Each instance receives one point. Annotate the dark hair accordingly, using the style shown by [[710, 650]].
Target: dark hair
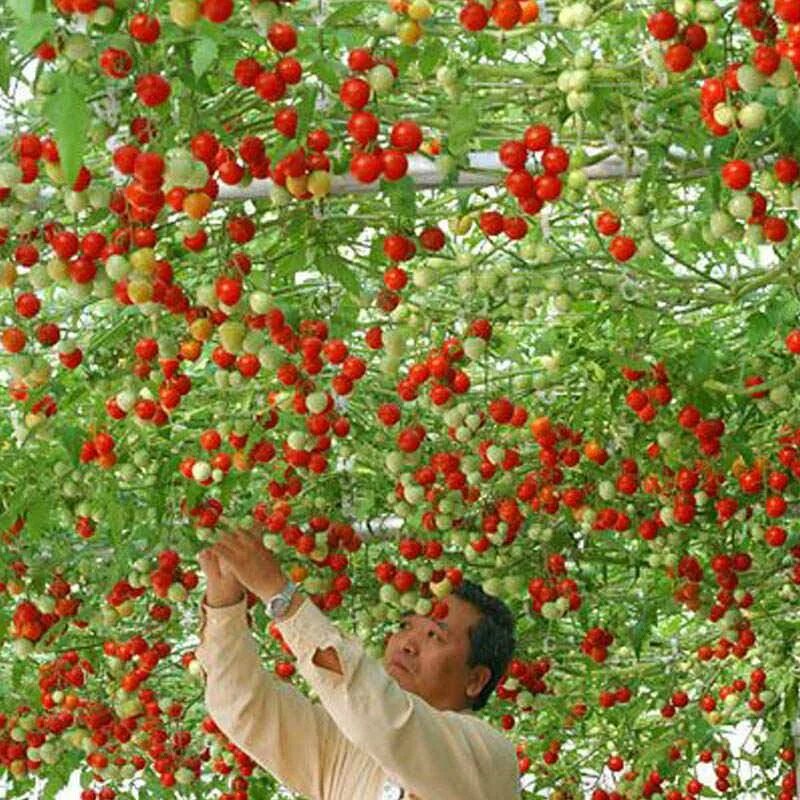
[[492, 640]]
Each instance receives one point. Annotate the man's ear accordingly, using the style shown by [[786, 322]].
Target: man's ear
[[479, 676]]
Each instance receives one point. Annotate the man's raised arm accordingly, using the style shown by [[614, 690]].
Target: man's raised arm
[[277, 726]]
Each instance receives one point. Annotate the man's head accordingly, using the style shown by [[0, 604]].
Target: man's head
[[457, 662]]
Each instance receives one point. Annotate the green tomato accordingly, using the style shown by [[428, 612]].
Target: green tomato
[[707, 11], [380, 78], [77, 47], [749, 78], [752, 116], [387, 22]]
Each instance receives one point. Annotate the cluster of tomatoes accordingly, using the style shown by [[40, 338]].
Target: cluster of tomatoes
[[737, 174], [100, 449], [168, 573], [29, 150], [645, 401], [65, 671], [506, 14], [28, 622], [122, 591], [762, 25], [399, 248], [609, 698], [528, 675], [31, 622], [531, 191], [621, 247], [555, 585], [596, 642], [174, 386], [686, 40]]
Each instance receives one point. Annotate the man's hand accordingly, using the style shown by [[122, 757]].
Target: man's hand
[[222, 588], [243, 555]]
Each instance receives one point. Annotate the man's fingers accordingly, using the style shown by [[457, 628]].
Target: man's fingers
[[227, 557], [208, 561]]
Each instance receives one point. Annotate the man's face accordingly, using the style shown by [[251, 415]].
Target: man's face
[[429, 657]]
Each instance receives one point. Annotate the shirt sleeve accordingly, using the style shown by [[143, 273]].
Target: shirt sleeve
[[432, 753], [275, 724]]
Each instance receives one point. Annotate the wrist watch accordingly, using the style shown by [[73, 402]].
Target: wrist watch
[[276, 606]]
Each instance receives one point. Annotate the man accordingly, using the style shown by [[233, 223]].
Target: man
[[406, 729]]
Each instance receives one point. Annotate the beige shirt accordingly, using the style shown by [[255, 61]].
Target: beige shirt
[[365, 730]]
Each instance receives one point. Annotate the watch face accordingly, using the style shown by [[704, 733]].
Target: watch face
[[278, 606]]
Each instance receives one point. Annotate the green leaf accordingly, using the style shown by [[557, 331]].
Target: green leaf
[[5, 67], [114, 519], [293, 261], [402, 197], [781, 308], [464, 121], [335, 266], [789, 125], [305, 111], [22, 9], [759, 328], [773, 743], [204, 54], [642, 628], [33, 31], [700, 360], [36, 516], [327, 71], [431, 56], [346, 12], [72, 437], [345, 318], [68, 114]]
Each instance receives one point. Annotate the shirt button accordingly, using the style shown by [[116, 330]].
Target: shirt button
[[391, 791]]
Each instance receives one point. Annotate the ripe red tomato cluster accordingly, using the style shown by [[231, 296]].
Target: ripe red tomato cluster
[[622, 248], [691, 39], [530, 191], [100, 449], [546, 590], [530, 674], [609, 698], [506, 14], [28, 622], [645, 401], [397, 248], [596, 643]]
